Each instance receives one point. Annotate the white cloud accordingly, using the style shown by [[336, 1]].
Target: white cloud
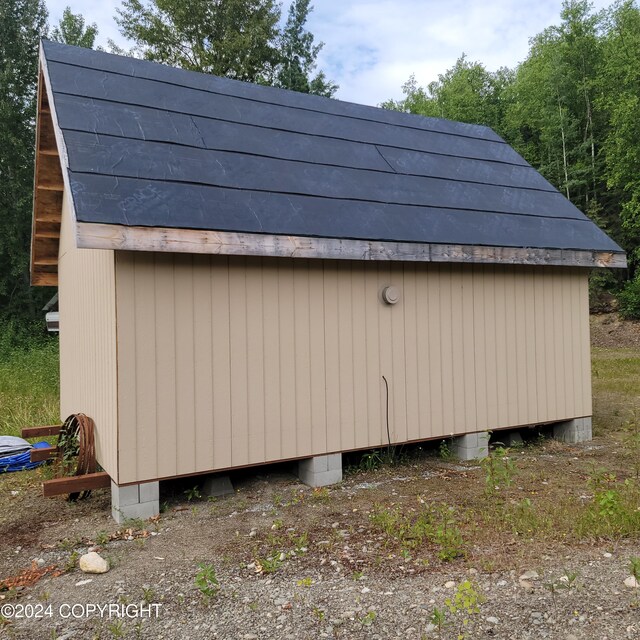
[[373, 46]]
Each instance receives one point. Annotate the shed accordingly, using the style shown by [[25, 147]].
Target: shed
[[249, 275]]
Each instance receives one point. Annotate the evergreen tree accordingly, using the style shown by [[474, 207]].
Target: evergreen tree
[[299, 54], [22, 23]]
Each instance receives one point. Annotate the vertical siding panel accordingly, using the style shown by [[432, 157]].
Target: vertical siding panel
[[478, 277], [165, 361], [145, 347], [550, 346], [521, 336], [272, 383], [317, 357], [410, 349], [221, 356], [399, 365], [567, 344], [288, 379], [387, 397], [541, 398], [127, 439], [255, 355], [304, 419], [332, 360], [501, 347], [359, 342], [469, 351], [512, 346], [583, 310], [559, 323], [185, 374], [446, 338], [423, 277], [459, 390], [576, 341], [530, 342], [239, 362], [203, 363], [375, 386], [435, 351], [345, 356], [491, 349]]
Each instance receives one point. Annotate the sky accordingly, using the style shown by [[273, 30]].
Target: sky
[[371, 47]]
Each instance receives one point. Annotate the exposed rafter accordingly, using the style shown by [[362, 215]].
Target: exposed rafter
[[47, 197]]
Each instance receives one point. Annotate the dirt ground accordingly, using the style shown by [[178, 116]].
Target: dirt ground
[[278, 560], [607, 330]]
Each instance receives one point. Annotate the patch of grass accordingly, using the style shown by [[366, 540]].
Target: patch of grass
[[270, 563], [431, 524], [29, 386], [616, 387]]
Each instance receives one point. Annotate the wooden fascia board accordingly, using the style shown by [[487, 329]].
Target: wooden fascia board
[[118, 237]]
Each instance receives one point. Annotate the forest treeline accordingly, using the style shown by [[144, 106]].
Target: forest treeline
[[572, 108], [243, 39]]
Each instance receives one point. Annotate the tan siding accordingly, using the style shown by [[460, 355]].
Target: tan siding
[[247, 360], [88, 339]]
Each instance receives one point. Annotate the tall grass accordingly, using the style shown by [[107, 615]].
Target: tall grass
[[29, 381]]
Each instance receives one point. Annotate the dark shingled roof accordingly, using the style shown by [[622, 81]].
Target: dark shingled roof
[[150, 145]]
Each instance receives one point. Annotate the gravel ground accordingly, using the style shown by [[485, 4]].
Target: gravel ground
[[297, 563], [343, 581]]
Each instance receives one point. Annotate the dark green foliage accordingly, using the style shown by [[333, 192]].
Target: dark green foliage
[[299, 55], [22, 22], [233, 38], [571, 109], [629, 299], [467, 93], [72, 30], [238, 39]]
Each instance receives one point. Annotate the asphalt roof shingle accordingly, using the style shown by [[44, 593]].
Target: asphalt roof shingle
[[150, 145]]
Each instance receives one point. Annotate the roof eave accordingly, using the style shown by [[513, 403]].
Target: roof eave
[[164, 239]]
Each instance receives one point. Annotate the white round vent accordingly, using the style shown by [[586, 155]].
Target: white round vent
[[391, 294]]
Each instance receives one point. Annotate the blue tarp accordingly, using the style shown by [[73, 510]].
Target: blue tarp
[[21, 461]]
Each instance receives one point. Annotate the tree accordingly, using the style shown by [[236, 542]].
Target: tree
[[71, 29], [22, 23], [233, 38], [551, 119], [299, 54], [467, 92], [619, 96]]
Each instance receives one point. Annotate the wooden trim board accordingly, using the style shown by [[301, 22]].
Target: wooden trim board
[[74, 484], [162, 239]]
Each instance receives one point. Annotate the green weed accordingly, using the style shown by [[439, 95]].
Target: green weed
[[206, 580], [498, 470]]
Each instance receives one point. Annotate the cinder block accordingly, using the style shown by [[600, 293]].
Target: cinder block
[[471, 446], [573, 431], [135, 501], [321, 471], [216, 486], [149, 491]]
